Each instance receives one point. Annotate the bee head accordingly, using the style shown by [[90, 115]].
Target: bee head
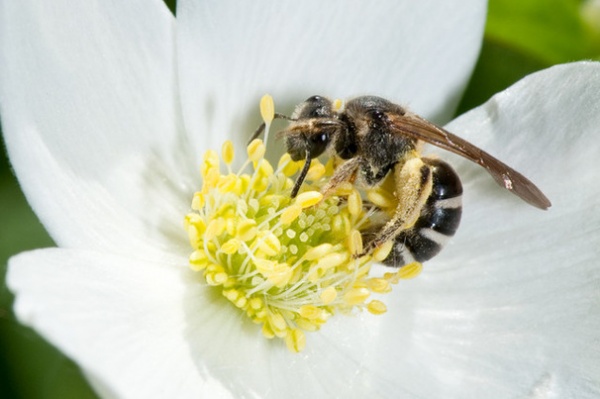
[[314, 124]]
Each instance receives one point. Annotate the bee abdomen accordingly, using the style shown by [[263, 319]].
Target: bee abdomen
[[439, 219]]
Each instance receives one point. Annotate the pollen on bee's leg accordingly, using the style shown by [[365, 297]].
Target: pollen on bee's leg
[[286, 263]]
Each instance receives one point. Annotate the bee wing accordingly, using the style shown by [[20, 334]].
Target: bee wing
[[418, 128]]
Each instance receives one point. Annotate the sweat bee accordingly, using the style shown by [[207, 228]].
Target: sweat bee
[[376, 138]]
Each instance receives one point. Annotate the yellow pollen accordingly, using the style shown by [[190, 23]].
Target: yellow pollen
[[256, 150], [356, 296], [308, 199], [231, 246], [345, 189], [197, 201], [288, 264], [328, 295], [310, 312], [332, 260], [316, 171], [267, 108], [355, 244], [337, 104], [376, 307], [382, 252], [267, 111], [246, 230], [355, 204], [269, 244], [295, 340], [287, 166], [411, 270], [381, 198], [379, 285], [227, 152], [318, 251], [290, 214]]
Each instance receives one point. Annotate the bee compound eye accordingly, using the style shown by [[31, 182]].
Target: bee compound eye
[[320, 138], [377, 119], [377, 115], [318, 143]]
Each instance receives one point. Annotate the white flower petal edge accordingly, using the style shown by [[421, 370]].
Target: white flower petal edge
[[88, 102], [511, 309], [230, 53], [124, 321]]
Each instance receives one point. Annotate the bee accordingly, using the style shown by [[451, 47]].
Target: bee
[[375, 138]]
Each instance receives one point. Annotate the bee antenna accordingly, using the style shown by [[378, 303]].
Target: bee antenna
[[257, 133], [302, 175], [261, 127]]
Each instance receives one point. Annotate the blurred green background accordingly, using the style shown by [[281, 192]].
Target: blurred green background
[[521, 37]]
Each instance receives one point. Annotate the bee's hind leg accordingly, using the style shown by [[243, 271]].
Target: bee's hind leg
[[414, 181]]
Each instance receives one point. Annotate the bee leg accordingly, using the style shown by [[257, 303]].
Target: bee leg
[[345, 172], [414, 182]]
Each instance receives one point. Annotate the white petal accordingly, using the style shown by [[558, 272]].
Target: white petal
[[124, 321], [142, 329], [512, 307], [231, 53], [88, 100]]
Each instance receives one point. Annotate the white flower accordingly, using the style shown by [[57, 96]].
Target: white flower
[[94, 98]]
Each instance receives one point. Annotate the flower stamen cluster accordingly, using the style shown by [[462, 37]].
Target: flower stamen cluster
[[288, 263]]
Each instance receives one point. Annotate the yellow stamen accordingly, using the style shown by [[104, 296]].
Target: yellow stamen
[[328, 295], [256, 150], [355, 204], [308, 199], [227, 152], [356, 296], [287, 264], [376, 307], [382, 252], [355, 244], [316, 171], [295, 340], [290, 214], [318, 251], [381, 198], [267, 108], [411, 270], [287, 166], [379, 285], [267, 111]]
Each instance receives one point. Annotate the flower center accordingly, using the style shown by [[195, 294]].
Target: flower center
[[288, 264]]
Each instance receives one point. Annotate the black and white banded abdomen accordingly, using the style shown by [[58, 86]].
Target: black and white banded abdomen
[[438, 221]]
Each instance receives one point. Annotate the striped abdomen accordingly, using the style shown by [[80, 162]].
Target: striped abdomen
[[438, 221]]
